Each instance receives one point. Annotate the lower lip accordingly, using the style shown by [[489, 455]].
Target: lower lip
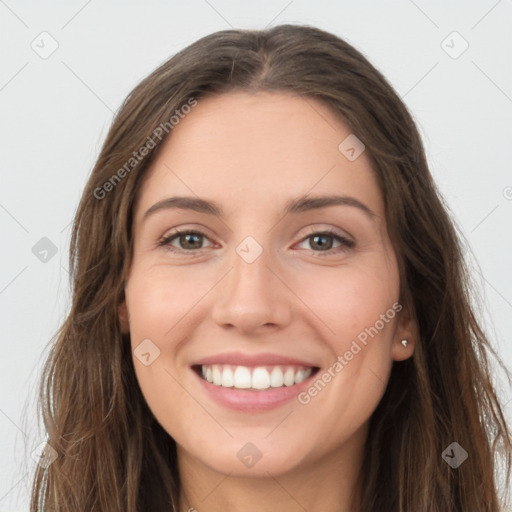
[[253, 401]]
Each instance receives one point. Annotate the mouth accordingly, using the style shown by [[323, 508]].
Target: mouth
[[253, 389], [252, 383], [254, 378]]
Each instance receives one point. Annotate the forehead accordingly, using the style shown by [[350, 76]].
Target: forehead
[[259, 150]]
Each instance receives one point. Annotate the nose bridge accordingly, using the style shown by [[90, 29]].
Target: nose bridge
[[250, 282], [251, 295]]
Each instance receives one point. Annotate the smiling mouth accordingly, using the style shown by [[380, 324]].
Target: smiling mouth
[[257, 378]]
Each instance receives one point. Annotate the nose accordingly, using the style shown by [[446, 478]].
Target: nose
[[251, 297]]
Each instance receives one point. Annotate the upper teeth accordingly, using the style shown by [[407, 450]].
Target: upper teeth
[[260, 377]]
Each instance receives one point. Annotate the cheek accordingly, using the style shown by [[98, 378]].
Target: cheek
[[358, 308], [161, 298], [160, 302], [351, 301], [165, 305]]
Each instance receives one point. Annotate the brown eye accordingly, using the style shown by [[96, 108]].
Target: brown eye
[[186, 240], [323, 242]]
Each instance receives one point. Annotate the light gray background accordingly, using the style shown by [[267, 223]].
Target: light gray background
[[55, 112]]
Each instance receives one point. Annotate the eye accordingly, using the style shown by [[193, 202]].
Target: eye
[[320, 242], [187, 240], [324, 241]]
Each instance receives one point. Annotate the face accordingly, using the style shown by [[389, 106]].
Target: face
[[288, 304]]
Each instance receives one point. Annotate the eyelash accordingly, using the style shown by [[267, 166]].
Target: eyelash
[[345, 242]]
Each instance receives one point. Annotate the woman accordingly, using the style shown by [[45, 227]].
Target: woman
[[270, 306]]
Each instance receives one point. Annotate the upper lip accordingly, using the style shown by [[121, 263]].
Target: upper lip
[[263, 359]]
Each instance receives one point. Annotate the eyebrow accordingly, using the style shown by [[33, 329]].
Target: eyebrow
[[298, 205]]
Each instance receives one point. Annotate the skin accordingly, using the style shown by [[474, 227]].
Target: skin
[[251, 153]]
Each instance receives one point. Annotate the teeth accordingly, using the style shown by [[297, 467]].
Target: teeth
[[259, 378], [242, 378], [276, 377], [217, 377], [299, 376], [289, 377], [228, 380]]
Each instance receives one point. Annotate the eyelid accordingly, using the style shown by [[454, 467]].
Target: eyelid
[[313, 230]]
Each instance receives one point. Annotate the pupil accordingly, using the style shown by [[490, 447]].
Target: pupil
[[188, 239], [317, 237]]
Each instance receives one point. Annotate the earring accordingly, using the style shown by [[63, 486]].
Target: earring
[[404, 343]]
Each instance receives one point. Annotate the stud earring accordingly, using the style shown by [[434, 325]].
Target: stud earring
[[404, 343]]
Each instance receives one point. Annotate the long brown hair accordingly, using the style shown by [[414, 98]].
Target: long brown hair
[[112, 453]]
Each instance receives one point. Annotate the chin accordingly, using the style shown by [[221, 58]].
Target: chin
[[255, 459]]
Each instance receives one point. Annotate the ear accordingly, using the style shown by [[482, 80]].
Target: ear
[[406, 330], [124, 317]]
